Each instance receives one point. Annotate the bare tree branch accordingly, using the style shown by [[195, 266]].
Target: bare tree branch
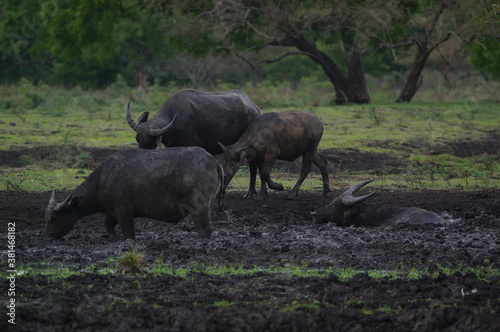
[[283, 56], [253, 66]]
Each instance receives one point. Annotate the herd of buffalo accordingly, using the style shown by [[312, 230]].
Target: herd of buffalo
[[207, 135]]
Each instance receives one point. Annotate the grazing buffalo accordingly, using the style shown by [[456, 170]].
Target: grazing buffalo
[[347, 210], [167, 184], [277, 135], [195, 118]]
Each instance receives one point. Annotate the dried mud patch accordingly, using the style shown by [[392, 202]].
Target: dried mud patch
[[339, 159], [265, 234]]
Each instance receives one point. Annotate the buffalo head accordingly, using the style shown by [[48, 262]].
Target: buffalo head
[[147, 137], [232, 157], [342, 207], [61, 217]]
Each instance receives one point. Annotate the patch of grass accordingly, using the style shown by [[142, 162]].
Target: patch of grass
[[130, 262], [234, 290], [419, 270], [345, 274], [376, 274], [224, 303], [74, 120], [302, 306], [133, 261], [15, 182], [36, 179], [54, 272], [387, 309]]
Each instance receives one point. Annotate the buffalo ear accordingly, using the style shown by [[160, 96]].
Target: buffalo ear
[[144, 117], [242, 153]]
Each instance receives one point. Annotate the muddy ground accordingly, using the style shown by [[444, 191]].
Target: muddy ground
[[266, 233]]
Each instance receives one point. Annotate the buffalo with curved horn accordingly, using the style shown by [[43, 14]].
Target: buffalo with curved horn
[[167, 185], [347, 209], [196, 118]]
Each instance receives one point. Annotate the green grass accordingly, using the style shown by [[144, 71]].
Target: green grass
[[72, 121], [130, 262], [133, 261], [394, 124], [255, 277]]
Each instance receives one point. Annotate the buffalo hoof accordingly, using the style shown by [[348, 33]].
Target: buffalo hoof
[[113, 237], [276, 186], [326, 191], [251, 194], [205, 234]]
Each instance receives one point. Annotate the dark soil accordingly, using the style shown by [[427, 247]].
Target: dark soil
[[265, 233]]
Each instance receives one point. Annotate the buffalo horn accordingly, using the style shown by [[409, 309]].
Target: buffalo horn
[[60, 206], [349, 199], [355, 188], [131, 121], [162, 131], [222, 146], [52, 197]]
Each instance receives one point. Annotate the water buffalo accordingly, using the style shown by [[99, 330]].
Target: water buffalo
[[195, 118], [167, 184], [347, 210], [277, 135]]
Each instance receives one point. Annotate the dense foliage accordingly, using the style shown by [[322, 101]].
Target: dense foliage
[[96, 43]]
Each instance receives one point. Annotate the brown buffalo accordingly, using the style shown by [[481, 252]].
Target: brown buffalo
[[277, 135]]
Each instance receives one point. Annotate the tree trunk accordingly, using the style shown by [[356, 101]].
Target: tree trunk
[[414, 80], [336, 77], [355, 72], [142, 78], [351, 89], [348, 90], [424, 50]]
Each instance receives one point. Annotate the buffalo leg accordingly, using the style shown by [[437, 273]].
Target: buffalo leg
[[322, 163], [126, 221], [307, 160], [110, 224], [265, 177], [201, 217], [203, 222], [253, 176]]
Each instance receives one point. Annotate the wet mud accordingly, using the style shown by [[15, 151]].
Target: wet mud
[[407, 277], [267, 233]]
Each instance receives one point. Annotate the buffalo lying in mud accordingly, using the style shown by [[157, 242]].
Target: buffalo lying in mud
[[277, 135], [166, 184], [195, 118], [347, 210]]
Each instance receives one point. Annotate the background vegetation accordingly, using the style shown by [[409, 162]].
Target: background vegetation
[[55, 133], [350, 48], [68, 67]]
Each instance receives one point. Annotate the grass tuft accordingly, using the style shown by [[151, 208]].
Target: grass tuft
[[131, 262]]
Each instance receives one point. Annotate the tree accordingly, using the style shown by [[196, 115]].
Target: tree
[[99, 31], [485, 55], [297, 27], [433, 24], [20, 40], [354, 28], [484, 52]]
